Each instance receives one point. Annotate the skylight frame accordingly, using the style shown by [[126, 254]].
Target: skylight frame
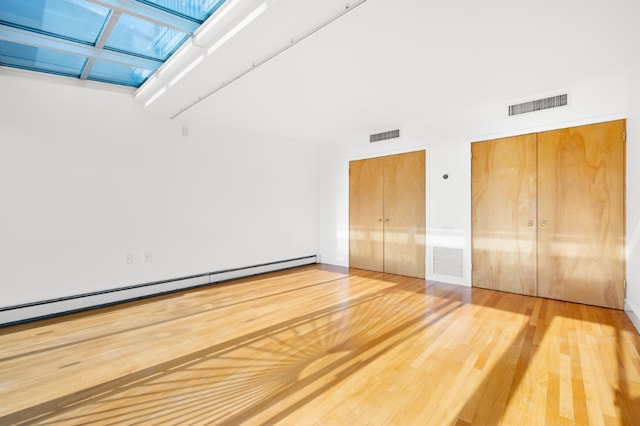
[[142, 62]]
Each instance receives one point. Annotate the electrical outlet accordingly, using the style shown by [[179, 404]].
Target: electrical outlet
[[148, 256], [128, 258]]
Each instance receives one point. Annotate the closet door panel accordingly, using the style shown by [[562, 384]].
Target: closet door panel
[[404, 214], [581, 214], [503, 188], [366, 225]]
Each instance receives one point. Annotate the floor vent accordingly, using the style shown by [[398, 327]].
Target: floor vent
[[538, 105], [391, 134], [447, 261]]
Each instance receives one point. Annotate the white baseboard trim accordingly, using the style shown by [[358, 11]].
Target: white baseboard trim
[[633, 314], [47, 308]]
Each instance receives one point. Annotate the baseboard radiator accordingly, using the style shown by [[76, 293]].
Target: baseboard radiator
[[47, 308]]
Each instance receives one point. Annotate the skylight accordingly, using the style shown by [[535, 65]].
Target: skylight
[[113, 41]]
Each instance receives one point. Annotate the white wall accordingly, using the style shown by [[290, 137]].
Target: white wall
[[633, 198], [87, 176], [447, 140]]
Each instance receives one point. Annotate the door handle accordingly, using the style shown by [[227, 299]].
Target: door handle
[[530, 223], [386, 220], [380, 220], [544, 223]]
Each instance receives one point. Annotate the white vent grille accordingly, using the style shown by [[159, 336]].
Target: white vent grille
[[391, 134], [538, 105], [447, 261]]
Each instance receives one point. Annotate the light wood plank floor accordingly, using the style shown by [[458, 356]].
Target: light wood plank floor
[[325, 345]]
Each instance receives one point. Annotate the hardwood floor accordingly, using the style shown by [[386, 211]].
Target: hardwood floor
[[325, 345]]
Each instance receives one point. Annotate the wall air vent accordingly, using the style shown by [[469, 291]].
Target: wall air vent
[[447, 261], [391, 134], [538, 105]]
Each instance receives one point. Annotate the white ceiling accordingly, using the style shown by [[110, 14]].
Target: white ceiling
[[387, 62]]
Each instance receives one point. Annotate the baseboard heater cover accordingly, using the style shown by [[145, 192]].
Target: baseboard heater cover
[[65, 305]]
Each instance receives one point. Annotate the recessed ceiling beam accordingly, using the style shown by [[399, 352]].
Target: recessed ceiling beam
[[16, 35], [151, 14]]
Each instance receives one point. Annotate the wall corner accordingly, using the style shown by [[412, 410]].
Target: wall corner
[[633, 313]]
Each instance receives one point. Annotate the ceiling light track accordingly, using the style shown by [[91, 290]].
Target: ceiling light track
[[257, 64]]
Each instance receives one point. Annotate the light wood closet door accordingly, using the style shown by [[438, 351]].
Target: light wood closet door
[[366, 227], [503, 188], [387, 214], [581, 214], [404, 214]]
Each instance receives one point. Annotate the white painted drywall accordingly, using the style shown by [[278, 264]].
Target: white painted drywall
[[447, 139], [87, 176], [633, 197]]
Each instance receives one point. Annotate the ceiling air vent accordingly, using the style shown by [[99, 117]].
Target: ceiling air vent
[[391, 134], [538, 105]]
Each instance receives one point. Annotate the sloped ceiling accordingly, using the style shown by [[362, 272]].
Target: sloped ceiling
[[388, 62]]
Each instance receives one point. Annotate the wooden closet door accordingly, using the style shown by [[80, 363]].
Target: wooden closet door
[[404, 214], [503, 188], [366, 227], [581, 214]]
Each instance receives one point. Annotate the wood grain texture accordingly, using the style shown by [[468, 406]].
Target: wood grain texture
[[366, 213], [404, 214], [325, 345], [576, 249], [503, 186], [387, 231], [581, 252]]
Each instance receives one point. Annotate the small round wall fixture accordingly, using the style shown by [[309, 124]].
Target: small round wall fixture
[[445, 176]]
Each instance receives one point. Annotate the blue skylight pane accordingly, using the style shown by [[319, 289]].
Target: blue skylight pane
[[119, 74], [133, 35], [196, 9], [37, 59], [71, 19]]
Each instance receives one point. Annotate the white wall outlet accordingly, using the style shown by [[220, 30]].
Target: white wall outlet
[[128, 258], [148, 256]]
